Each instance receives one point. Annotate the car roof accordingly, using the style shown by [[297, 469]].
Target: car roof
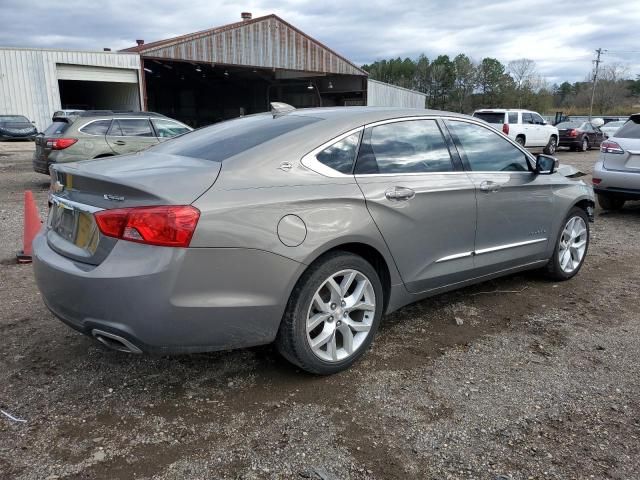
[[502, 110], [116, 113]]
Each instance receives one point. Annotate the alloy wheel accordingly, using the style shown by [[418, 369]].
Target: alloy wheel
[[573, 244], [585, 145], [341, 315], [552, 146]]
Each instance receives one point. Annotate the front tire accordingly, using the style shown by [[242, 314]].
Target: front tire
[[332, 315], [571, 246], [608, 202], [551, 147]]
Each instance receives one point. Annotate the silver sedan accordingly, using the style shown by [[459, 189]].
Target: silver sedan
[[302, 227]]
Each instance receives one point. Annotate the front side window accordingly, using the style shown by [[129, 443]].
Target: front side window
[[99, 127], [537, 119], [341, 155], [485, 150], [527, 118], [131, 128], [168, 128], [413, 146]]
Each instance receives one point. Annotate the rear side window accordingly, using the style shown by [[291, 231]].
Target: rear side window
[[56, 128], [226, 139], [485, 150], [131, 128], [414, 146], [341, 155], [168, 128], [631, 129], [513, 118], [492, 117], [99, 127]]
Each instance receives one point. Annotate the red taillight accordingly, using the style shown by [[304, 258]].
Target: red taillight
[[572, 133], [60, 143], [610, 147], [596, 181], [505, 128], [168, 226]]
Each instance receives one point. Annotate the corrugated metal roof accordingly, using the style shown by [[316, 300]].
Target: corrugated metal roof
[[267, 42]]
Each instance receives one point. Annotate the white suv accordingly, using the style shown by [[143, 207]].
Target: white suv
[[527, 128]]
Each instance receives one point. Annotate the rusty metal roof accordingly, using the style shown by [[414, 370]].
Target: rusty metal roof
[[265, 42]]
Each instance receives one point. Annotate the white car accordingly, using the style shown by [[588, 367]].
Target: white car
[[609, 129], [527, 128]]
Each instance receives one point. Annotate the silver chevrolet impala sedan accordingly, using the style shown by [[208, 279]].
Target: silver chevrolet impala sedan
[[299, 227]]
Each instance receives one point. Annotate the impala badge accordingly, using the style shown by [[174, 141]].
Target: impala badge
[[116, 198]]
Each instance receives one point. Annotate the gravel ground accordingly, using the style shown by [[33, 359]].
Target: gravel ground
[[540, 381]]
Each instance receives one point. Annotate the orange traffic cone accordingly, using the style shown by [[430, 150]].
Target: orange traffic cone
[[32, 225]]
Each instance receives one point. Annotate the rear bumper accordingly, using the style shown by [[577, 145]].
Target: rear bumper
[[570, 142], [623, 184], [626, 193], [40, 165], [166, 300]]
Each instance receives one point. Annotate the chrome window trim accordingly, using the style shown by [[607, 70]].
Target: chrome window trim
[[497, 248], [312, 163], [93, 121], [73, 205]]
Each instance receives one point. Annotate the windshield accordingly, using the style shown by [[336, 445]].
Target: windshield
[[13, 119], [490, 117], [226, 139], [565, 125]]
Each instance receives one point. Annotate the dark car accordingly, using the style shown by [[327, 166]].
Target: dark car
[[579, 135], [16, 127]]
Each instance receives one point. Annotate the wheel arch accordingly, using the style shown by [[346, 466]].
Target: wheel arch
[[104, 155]]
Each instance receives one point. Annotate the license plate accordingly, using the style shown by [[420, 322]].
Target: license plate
[[74, 225]]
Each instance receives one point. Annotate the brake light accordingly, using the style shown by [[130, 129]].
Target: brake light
[[60, 143], [168, 226], [596, 181], [610, 147], [572, 133], [505, 128]]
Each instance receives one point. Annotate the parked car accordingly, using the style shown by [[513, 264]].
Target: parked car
[[303, 227], [527, 128], [16, 127], [609, 129], [82, 135], [579, 135], [616, 174]]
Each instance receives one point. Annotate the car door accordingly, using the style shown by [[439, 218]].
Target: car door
[[421, 200], [513, 202], [598, 136], [128, 135], [541, 137], [528, 129]]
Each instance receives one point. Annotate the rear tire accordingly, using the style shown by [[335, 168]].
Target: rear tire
[[584, 146], [551, 147], [320, 307], [520, 140], [571, 247], [608, 202]]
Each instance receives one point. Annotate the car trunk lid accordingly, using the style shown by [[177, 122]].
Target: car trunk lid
[[628, 138], [78, 190]]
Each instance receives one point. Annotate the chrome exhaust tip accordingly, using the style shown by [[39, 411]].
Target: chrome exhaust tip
[[114, 342]]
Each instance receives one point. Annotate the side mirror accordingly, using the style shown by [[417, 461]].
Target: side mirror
[[546, 164]]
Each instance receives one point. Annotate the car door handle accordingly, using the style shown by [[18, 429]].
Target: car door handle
[[120, 142], [399, 193], [489, 186]]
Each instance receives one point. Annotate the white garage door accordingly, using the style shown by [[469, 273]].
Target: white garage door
[[96, 74]]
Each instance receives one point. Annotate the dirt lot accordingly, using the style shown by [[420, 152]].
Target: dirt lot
[[540, 381]]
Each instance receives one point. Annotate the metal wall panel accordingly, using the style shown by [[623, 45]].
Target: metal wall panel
[[29, 82], [96, 74], [268, 43], [381, 94]]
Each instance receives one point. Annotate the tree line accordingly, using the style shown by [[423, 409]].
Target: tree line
[[463, 85]]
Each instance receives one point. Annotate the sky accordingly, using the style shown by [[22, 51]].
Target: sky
[[560, 36]]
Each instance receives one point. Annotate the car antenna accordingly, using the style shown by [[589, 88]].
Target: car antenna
[[279, 108]]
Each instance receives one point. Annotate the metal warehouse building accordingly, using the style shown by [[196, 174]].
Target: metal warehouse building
[[199, 78]]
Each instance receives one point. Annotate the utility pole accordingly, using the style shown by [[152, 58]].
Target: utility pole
[[595, 79]]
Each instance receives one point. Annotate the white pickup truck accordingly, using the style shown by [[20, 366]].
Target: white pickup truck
[[527, 128]]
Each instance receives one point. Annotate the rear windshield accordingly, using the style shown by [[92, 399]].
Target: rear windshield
[[565, 125], [490, 117], [56, 128], [631, 129], [224, 140]]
